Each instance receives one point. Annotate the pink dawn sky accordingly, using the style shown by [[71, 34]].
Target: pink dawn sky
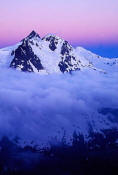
[[87, 23]]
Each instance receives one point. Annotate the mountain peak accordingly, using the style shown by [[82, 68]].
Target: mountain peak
[[33, 34], [49, 37]]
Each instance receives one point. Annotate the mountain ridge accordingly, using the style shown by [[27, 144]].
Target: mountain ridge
[[52, 54]]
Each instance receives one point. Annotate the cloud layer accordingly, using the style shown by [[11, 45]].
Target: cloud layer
[[39, 108]]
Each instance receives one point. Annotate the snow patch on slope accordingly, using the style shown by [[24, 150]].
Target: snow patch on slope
[[97, 61]]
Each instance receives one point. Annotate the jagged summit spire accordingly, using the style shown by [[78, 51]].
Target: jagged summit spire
[[33, 34]]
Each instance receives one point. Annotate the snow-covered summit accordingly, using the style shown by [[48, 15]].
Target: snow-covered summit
[[33, 35], [51, 54], [47, 55]]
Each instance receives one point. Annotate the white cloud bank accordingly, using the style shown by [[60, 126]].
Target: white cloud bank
[[35, 107]]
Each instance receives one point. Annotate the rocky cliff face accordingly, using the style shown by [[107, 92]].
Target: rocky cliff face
[[58, 54]]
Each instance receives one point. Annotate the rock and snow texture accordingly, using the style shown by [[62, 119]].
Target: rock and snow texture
[[51, 54], [97, 61], [47, 55]]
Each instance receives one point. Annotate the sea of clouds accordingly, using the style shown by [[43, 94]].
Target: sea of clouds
[[42, 108]]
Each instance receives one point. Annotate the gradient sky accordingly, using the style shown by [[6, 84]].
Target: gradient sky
[[92, 24]]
